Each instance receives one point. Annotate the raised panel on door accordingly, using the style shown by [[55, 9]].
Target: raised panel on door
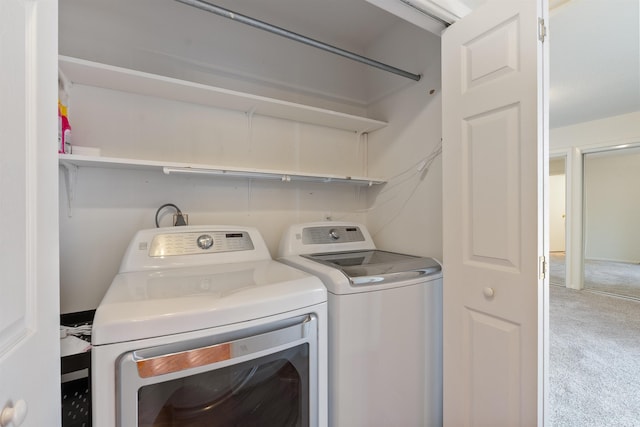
[[495, 376], [493, 210], [490, 188]]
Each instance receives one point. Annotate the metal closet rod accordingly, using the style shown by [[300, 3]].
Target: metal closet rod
[[200, 4]]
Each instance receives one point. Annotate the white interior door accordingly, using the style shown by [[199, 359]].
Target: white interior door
[[29, 319], [493, 208], [557, 202]]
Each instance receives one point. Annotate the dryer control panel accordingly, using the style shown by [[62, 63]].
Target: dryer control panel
[[192, 246], [174, 244]]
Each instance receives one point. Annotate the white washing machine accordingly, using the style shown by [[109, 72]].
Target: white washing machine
[[202, 327], [385, 325]]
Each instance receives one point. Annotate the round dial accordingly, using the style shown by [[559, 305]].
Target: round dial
[[334, 234], [205, 241]]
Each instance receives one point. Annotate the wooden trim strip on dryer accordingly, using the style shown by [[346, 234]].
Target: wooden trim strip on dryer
[[176, 362]]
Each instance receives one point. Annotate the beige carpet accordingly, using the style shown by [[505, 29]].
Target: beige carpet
[[600, 276], [594, 357]]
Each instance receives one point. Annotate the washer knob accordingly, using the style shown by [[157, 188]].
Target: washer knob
[[334, 234], [205, 241]]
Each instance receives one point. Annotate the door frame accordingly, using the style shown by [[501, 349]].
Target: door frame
[[574, 170], [574, 257]]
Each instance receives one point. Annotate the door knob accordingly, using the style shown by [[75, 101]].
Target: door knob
[[488, 292], [13, 414]]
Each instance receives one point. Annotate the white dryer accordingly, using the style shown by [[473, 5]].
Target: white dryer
[[202, 327], [385, 325]]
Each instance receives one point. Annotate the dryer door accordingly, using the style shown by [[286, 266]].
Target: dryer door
[[265, 379]]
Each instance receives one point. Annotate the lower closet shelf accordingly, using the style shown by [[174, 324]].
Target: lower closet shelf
[[72, 162]]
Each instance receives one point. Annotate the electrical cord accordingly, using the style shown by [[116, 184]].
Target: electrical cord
[[179, 216]]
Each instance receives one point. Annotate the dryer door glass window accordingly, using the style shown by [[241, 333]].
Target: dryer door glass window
[[270, 391]]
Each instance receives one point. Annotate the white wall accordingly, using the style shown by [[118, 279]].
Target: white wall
[[109, 205], [406, 215], [112, 204], [608, 131], [612, 205], [588, 137]]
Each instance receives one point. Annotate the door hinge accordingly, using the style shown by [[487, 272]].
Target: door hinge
[[542, 30], [542, 267]]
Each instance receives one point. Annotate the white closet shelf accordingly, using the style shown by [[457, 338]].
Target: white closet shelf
[[110, 77], [71, 161]]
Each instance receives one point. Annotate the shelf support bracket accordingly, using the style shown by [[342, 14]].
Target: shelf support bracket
[[70, 180]]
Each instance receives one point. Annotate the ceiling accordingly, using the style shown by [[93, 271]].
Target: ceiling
[[594, 60]]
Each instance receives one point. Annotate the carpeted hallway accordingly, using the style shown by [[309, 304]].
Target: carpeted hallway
[[594, 359], [620, 278]]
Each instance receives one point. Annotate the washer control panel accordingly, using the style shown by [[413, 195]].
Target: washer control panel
[[324, 236], [193, 243], [331, 234]]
